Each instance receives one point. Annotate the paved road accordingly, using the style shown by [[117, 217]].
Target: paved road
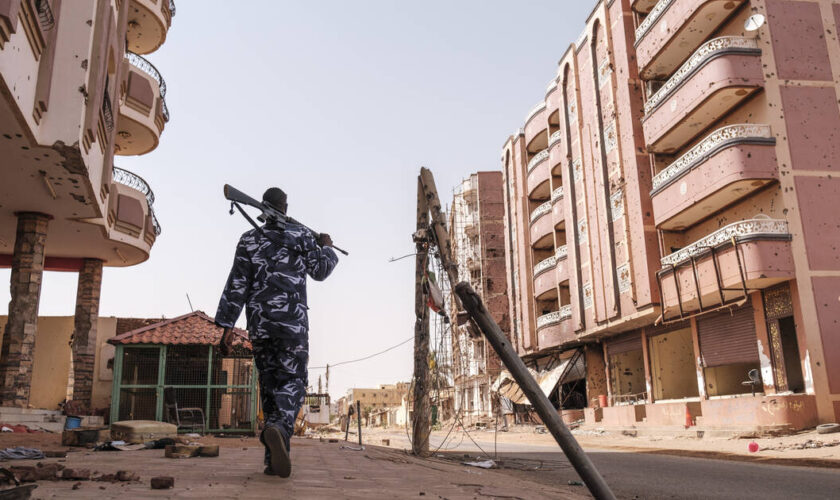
[[649, 475]]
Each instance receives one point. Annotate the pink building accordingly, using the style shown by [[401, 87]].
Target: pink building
[[669, 211], [74, 92]]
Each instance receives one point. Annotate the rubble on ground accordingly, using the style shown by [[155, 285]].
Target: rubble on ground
[[810, 444]]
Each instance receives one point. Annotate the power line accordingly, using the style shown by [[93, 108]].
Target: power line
[[365, 358]]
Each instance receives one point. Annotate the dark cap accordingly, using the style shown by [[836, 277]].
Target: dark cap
[[275, 197]]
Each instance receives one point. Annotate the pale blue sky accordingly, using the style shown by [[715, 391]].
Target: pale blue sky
[[339, 103]]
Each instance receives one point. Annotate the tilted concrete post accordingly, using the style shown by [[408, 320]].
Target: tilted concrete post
[[84, 330], [18, 350]]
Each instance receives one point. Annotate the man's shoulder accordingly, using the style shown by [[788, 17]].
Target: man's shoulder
[[249, 236], [297, 230]]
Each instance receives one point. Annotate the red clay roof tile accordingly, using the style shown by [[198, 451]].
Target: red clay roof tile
[[195, 328]]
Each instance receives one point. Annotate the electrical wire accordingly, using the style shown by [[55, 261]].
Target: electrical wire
[[365, 358]]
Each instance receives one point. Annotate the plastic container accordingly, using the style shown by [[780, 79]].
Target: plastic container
[[72, 423]]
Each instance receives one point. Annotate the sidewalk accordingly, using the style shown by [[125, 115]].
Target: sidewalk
[[801, 449], [320, 470]]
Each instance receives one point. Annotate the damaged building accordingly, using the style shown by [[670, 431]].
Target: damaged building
[[75, 91], [476, 222], [667, 209]]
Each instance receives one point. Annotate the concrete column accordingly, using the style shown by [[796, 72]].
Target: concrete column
[[84, 330], [596, 372], [18, 347], [698, 361], [646, 366]]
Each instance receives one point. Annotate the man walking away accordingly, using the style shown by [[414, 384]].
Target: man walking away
[[269, 277]]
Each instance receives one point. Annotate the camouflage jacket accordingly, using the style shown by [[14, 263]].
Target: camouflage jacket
[[269, 276]]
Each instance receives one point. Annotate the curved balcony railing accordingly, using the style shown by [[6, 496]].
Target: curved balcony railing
[[555, 138], [718, 139], [561, 252], [554, 317], [540, 211], [545, 265], [134, 181], [700, 56], [749, 227], [537, 159], [539, 107], [551, 86], [145, 66], [557, 194], [653, 16], [548, 319], [565, 312]]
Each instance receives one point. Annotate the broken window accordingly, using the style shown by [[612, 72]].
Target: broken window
[[672, 365]]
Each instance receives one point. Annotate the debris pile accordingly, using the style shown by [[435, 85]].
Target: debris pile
[[58, 472], [810, 444]]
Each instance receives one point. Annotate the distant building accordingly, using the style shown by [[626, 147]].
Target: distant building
[[382, 397], [75, 90], [476, 222]]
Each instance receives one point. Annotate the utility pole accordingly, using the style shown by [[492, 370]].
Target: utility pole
[[421, 417], [430, 233], [441, 232], [580, 461]]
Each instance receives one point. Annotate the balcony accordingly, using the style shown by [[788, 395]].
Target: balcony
[[538, 174], [561, 267], [544, 280], [148, 23], [720, 75], [143, 111], [554, 328], [558, 210], [724, 266], [556, 151], [542, 227], [726, 166], [536, 136], [131, 219], [673, 29]]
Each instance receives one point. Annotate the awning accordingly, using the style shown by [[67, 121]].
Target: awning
[[547, 379]]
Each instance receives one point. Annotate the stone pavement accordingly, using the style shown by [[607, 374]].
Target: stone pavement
[[320, 470]]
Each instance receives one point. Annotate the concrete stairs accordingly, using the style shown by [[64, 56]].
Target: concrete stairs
[[42, 420]]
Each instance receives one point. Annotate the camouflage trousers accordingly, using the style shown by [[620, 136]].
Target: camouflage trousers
[[282, 364]]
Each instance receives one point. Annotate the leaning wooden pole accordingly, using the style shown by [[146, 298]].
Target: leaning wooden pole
[[584, 467], [421, 416], [438, 226]]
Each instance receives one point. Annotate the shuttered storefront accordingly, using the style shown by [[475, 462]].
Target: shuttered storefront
[[624, 343], [728, 337]]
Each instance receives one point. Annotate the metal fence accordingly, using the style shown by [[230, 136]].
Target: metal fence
[[223, 387]]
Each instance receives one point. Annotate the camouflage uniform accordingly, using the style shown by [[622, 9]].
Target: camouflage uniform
[[269, 277]]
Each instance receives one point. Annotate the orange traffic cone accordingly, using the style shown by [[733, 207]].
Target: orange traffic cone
[[688, 422]]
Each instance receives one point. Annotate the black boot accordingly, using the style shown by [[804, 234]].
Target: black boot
[[281, 462]]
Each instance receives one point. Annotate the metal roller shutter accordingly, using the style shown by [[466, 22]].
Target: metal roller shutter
[[728, 338], [624, 343]]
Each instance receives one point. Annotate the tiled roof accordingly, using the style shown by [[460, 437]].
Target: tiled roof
[[195, 328]]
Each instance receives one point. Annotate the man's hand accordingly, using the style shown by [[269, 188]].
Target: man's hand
[[324, 240], [226, 344]]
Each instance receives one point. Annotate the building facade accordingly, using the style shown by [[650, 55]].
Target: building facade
[[75, 91], [384, 396], [667, 212], [476, 225]]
